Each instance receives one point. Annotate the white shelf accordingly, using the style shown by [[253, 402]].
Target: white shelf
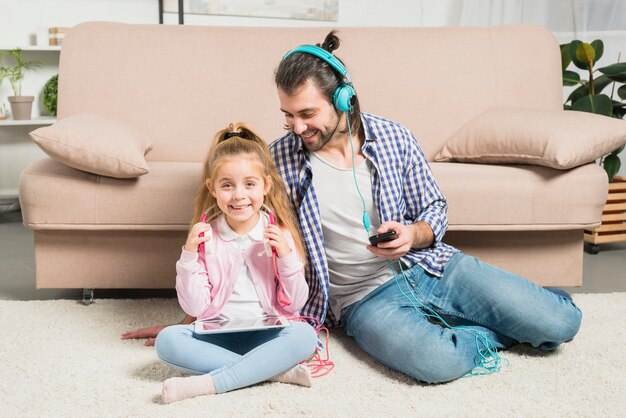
[[9, 193], [44, 120], [32, 48]]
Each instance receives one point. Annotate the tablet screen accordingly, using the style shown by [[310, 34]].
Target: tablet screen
[[218, 325]]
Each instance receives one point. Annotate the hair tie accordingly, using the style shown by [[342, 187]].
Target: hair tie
[[231, 134]]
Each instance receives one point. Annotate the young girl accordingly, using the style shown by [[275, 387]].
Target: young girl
[[233, 276]]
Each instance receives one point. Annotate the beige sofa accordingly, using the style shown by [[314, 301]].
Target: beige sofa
[[178, 85]]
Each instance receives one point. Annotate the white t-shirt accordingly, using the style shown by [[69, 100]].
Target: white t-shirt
[[354, 271]]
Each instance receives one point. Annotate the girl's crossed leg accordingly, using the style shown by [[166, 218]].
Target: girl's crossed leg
[[231, 361]]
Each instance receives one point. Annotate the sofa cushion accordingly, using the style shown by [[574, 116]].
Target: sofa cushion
[[521, 197], [54, 196], [552, 138], [96, 144], [517, 197]]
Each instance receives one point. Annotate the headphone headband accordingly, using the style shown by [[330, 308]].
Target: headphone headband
[[321, 53], [344, 95]]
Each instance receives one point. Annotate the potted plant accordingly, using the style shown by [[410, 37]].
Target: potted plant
[[3, 75], [21, 106], [50, 94], [589, 96]]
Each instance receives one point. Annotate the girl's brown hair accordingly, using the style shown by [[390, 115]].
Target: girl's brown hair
[[237, 140]]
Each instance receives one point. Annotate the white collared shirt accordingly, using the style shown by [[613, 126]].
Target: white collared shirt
[[244, 301]]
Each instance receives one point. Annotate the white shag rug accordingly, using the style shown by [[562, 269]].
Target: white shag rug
[[62, 359]]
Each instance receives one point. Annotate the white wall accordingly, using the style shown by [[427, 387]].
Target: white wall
[[19, 19]]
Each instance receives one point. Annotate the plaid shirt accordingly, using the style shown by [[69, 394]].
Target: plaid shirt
[[403, 189]]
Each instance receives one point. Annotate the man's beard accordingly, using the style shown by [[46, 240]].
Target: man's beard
[[324, 139]]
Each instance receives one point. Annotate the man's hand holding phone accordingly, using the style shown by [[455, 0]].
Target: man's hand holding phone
[[394, 245], [384, 237]]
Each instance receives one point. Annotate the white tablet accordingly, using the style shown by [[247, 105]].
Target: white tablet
[[221, 325]]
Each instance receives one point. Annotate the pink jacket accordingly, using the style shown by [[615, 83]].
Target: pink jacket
[[203, 289]]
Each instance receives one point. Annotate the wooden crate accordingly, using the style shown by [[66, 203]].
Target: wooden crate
[[613, 228]]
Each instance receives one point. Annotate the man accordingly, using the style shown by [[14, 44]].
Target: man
[[414, 303], [339, 163]]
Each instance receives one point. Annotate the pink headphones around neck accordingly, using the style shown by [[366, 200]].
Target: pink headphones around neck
[[270, 251]]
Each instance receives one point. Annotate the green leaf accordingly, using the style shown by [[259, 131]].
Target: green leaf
[[565, 58], [612, 165], [620, 149], [581, 91], [583, 56], [599, 84], [600, 105], [619, 112], [598, 47], [621, 92], [616, 72], [585, 53], [570, 78], [573, 47]]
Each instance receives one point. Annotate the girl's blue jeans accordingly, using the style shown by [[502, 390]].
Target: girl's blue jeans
[[507, 308], [236, 360]]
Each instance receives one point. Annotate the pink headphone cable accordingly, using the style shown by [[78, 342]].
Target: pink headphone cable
[[319, 366], [280, 295]]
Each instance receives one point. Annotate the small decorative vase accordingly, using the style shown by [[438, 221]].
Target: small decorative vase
[[21, 106]]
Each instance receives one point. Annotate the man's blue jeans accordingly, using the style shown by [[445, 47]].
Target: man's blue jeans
[[507, 308]]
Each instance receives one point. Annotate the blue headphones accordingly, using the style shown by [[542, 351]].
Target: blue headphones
[[344, 94]]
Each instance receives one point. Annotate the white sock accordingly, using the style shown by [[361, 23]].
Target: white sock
[[297, 375], [179, 388]]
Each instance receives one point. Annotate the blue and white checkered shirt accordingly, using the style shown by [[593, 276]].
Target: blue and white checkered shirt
[[403, 189]]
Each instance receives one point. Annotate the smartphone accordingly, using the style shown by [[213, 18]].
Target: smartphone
[[384, 237]]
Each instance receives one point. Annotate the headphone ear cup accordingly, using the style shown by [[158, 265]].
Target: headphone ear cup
[[342, 99]]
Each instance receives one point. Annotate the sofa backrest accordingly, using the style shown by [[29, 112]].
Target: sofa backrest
[[180, 84]]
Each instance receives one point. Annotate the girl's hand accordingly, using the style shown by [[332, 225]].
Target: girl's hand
[[150, 333], [194, 239], [277, 240]]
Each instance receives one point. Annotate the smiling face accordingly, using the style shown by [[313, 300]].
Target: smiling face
[[239, 187], [309, 115]]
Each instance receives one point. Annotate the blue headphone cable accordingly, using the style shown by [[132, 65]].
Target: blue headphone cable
[[366, 219], [487, 360]]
